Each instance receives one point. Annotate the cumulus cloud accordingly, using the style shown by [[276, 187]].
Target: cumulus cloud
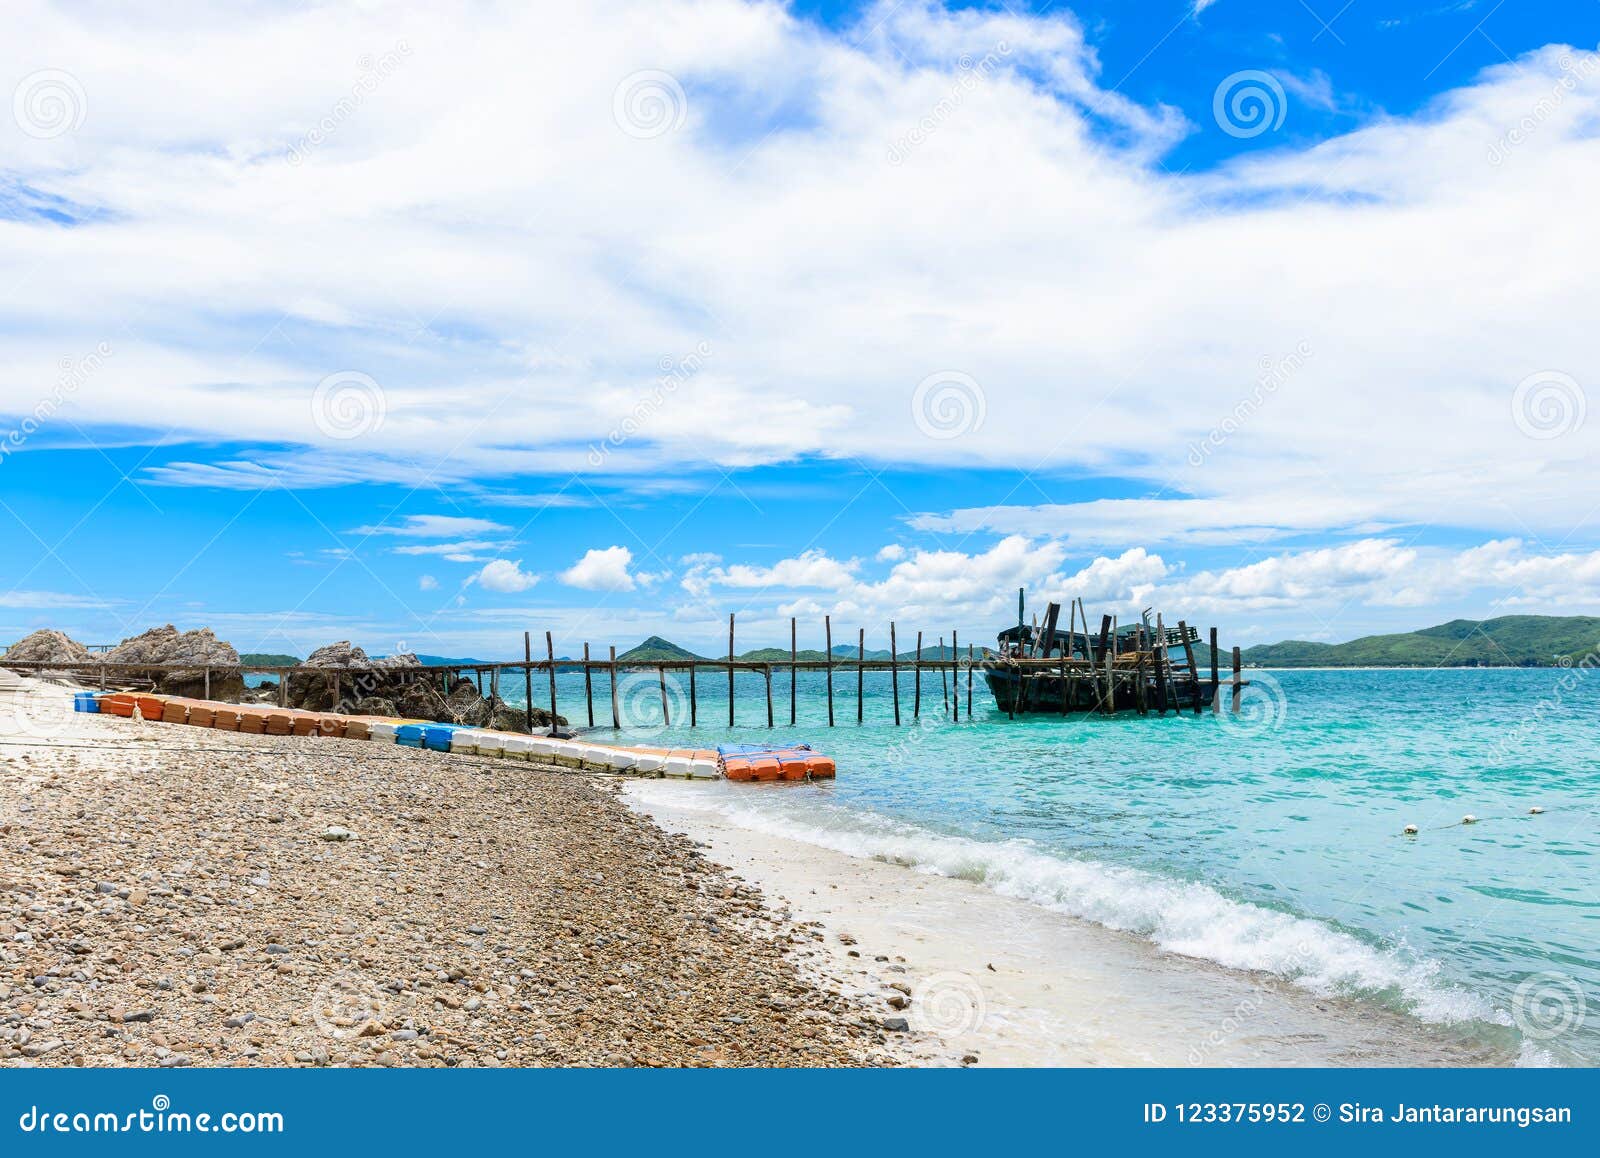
[[428, 583], [505, 576], [200, 227], [601, 569]]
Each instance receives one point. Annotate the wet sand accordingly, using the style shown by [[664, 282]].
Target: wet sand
[[1013, 984]]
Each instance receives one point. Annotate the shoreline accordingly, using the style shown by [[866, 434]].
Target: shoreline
[[1009, 983]]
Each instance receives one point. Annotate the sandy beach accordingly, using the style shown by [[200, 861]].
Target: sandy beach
[[1008, 983], [176, 896]]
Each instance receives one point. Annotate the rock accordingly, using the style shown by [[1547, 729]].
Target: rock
[[896, 1024], [145, 1015], [40, 1048], [194, 650], [334, 832], [969, 1059], [47, 646], [313, 691]]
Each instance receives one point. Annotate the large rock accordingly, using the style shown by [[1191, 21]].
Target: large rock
[[192, 651], [47, 646], [398, 685], [340, 690]]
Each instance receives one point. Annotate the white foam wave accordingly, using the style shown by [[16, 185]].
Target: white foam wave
[[1181, 917]]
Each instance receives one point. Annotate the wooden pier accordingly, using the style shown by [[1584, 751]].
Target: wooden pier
[[1102, 672]]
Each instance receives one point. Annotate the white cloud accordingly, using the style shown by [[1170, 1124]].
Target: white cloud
[[44, 600], [432, 527], [428, 583], [452, 550], [893, 553], [810, 569], [1120, 579], [601, 569], [201, 229], [505, 576]]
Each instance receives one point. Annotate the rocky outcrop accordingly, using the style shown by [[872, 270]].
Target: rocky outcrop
[[47, 646], [193, 651], [397, 685]]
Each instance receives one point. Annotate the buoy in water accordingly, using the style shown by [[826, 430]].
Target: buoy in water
[[1469, 819], [1535, 811], [1411, 830]]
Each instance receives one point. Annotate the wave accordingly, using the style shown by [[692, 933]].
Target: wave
[[1182, 917]]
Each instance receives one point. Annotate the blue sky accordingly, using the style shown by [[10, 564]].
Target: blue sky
[[1273, 316]]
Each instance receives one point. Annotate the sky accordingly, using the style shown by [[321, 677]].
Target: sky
[[428, 325]]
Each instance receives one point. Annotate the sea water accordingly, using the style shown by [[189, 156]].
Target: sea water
[[1270, 841]]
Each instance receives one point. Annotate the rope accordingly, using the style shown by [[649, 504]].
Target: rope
[[1470, 820]]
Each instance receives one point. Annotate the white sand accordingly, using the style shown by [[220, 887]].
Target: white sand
[[1019, 985]]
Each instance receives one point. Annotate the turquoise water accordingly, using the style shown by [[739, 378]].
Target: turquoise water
[[1270, 841]]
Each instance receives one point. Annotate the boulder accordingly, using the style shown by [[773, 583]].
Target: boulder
[[399, 686], [47, 646], [193, 651], [390, 677]]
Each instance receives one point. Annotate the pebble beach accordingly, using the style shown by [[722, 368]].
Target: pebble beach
[[172, 896]]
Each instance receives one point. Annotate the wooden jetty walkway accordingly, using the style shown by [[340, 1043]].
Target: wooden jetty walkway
[[1035, 672]]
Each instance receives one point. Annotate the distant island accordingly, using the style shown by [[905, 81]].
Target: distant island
[[1509, 641]]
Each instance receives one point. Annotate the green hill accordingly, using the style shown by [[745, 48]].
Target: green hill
[[656, 650], [267, 659], [1509, 641]]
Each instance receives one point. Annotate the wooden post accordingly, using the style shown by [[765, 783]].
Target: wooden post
[[694, 705], [730, 669], [1238, 689], [944, 683], [969, 681], [861, 670], [588, 684], [955, 675], [894, 674], [478, 672], [527, 677], [1102, 655], [661, 676], [1194, 672], [283, 688], [767, 672], [827, 641], [550, 650], [1215, 682], [616, 717], [794, 655], [916, 692], [208, 683]]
